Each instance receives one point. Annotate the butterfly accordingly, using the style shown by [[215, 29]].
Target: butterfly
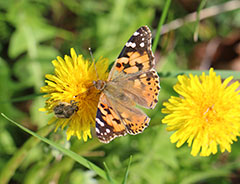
[[132, 80]]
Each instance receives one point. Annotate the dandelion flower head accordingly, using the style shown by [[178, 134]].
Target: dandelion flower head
[[205, 115], [73, 81]]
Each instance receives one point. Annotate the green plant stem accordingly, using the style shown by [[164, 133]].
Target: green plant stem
[[223, 73], [202, 4], [19, 156], [162, 19]]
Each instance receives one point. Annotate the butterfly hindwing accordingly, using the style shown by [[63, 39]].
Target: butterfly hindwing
[[108, 123], [133, 119]]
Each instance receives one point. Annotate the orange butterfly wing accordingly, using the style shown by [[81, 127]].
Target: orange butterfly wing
[[132, 80], [136, 56], [108, 123]]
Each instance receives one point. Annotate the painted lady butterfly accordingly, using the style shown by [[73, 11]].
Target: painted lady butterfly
[[132, 80]]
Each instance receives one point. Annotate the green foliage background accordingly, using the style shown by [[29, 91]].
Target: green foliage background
[[34, 32]]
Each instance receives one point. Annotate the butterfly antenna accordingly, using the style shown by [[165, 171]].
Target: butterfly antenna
[[90, 50]]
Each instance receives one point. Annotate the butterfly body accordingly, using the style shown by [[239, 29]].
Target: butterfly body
[[132, 80]]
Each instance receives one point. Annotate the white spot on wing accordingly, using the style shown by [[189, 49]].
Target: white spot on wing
[[100, 122], [97, 130], [107, 130], [130, 44], [136, 33], [142, 44], [133, 45]]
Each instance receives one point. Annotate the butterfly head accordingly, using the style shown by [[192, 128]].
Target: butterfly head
[[99, 84]]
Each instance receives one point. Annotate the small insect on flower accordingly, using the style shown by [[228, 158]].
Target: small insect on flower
[[206, 114], [65, 110]]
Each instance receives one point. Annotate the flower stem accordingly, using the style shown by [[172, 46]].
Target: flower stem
[[162, 19], [195, 35]]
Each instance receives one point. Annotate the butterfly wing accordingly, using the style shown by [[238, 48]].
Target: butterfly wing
[[133, 119], [133, 70], [142, 88], [108, 123], [132, 80], [115, 118], [136, 55]]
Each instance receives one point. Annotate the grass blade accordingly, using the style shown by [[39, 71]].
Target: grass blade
[[162, 19], [202, 4], [127, 171], [108, 174], [65, 151]]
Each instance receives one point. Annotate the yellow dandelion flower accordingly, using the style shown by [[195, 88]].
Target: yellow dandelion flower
[[205, 115], [71, 88]]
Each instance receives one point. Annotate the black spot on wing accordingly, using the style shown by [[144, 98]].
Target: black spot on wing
[[108, 111], [118, 65], [139, 65], [117, 121], [126, 65]]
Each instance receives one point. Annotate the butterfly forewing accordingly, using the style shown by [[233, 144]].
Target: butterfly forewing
[[143, 88], [136, 55]]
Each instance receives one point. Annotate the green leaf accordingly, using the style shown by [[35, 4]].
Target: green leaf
[[28, 36], [201, 176], [80, 176], [108, 173], [7, 144], [127, 171], [65, 151], [8, 87], [223, 73]]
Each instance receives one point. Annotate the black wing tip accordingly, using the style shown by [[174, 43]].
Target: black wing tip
[[147, 29], [150, 53], [108, 139]]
